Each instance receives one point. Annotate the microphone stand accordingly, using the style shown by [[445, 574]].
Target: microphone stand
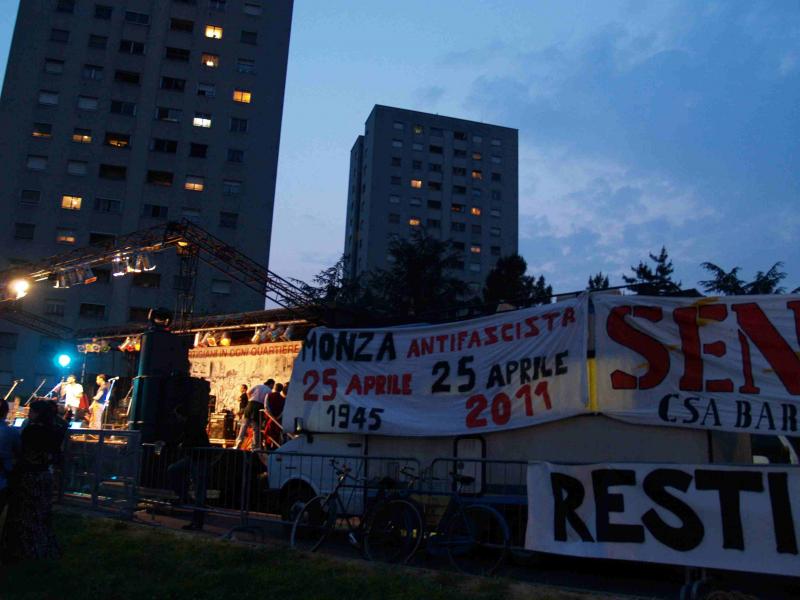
[[13, 387], [33, 395], [111, 382]]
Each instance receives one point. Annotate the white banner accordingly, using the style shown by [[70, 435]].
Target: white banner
[[730, 364], [504, 371], [738, 518]]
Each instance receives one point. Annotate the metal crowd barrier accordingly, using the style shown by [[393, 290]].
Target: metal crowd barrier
[[100, 469]]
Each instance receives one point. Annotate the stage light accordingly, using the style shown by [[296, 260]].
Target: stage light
[[87, 276], [119, 266], [73, 277], [64, 360], [276, 333], [132, 264], [144, 263], [198, 337], [19, 287], [287, 333], [256, 336], [62, 281], [225, 340], [211, 340]]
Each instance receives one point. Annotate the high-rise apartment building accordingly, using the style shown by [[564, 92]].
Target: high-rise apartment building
[[457, 179], [117, 115]]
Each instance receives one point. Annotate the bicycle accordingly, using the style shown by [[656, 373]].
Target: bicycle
[[397, 520]]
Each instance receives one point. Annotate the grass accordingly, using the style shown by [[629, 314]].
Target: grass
[[108, 560]]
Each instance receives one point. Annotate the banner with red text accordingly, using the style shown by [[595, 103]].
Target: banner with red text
[[738, 518], [728, 364], [505, 371]]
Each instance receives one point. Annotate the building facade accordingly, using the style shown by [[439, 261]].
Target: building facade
[[118, 115], [457, 179]]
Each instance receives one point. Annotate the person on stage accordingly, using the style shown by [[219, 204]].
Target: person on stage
[[257, 397], [69, 394], [99, 402]]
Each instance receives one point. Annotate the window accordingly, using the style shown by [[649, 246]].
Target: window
[[496, 177], [495, 250], [114, 172], [59, 35], [209, 60], [458, 245], [228, 220], [397, 161], [246, 65], [417, 147], [249, 37], [477, 192], [136, 18], [459, 135], [173, 83], [131, 47], [475, 267], [118, 140], [82, 136], [477, 156], [36, 163], [398, 125], [87, 103], [170, 115], [155, 211], [231, 187], [67, 6], [477, 174], [435, 149], [415, 202], [194, 183], [459, 190], [496, 160], [414, 221], [394, 199], [418, 130], [53, 66], [120, 107], [416, 183], [497, 195], [24, 231], [162, 145], [476, 229], [461, 171], [127, 77], [162, 178], [251, 8], [477, 139], [396, 180], [54, 307], [65, 236], [434, 168], [98, 41], [30, 197], [458, 227], [394, 218], [180, 54], [42, 130], [435, 204], [495, 212], [102, 239], [190, 213], [496, 142], [92, 311], [434, 223], [214, 32], [455, 207], [243, 96], [138, 314], [238, 125], [202, 120], [108, 205], [101, 11], [181, 25], [146, 280], [437, 131], [220, 286], [475, 248], [92, 72], [416, 165], [475, 211], [198, 150], [103, 275], [459, 153], [235, 156], [71, 202], [218, 5], [397, 143], [209, 90], [436, 186], [494, 231], [48, 98]]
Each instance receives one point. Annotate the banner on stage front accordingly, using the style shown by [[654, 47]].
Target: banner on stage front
[[737, 518], [727, 364], [504, 371]]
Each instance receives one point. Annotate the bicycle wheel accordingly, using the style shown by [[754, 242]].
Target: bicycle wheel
[[476, 539], [313, 524], [393, 531]]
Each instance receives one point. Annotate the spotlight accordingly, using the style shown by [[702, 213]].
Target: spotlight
[[64, 360], [211, 340], [62, 282], [119, 266], [144, 263], [256, 336], [132, 265], [74, 277], [198, 337], [225, 340], [287, 333], [276, 333], [19, 287], [89, 276]]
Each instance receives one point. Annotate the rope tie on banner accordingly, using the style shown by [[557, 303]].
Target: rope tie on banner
[[591, 377]]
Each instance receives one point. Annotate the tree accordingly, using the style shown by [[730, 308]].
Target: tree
[[728, 283], [421, 278], [598, 282], [507, 282], [649, 281]]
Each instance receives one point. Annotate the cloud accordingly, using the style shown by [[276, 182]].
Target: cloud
[[429, 96]]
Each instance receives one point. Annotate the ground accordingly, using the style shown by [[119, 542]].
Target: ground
[[115, 560]]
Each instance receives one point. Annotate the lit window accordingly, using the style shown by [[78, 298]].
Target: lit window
[[65, 236], [42, 130], [477, 174], [475, 249], [214, 32], [71, 202], [201, 120], [414, 222], [118, 140], [416, 183], [194, 183], [48, 98], [475, 211], [36, 163], [210, 60], [418, 129], [82, 136], [476, 156], [242, 96]]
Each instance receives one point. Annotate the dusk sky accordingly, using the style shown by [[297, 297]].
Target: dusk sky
[[641, 124]]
